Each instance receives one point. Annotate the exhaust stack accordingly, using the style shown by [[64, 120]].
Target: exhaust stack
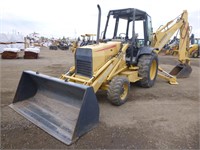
[[99, 23]]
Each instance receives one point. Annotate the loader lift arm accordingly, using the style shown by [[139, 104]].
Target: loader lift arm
[[162, 37]]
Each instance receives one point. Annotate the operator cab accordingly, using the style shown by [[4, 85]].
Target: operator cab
[[130, 25]]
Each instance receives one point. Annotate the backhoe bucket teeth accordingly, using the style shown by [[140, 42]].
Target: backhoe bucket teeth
[[65, 110], [181, 71]]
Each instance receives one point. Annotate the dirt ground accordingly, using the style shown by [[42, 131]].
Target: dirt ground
[[162, 117]]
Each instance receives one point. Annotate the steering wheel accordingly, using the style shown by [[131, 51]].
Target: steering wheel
[[122, 37]]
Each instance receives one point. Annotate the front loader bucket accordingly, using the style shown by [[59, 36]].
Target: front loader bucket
[[65, 110], [181, 71]]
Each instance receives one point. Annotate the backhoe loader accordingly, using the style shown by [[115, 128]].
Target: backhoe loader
[[67, 107], [194, 50], [171, 48], [87, 39]]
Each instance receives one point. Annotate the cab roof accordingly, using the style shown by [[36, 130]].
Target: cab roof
[[128, 13]]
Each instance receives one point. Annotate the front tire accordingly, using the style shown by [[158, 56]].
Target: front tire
[[148, 69], [195, 54], [118, 90]]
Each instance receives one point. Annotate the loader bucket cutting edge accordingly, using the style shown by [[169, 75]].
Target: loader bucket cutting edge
[[181, 71], [64, 110]]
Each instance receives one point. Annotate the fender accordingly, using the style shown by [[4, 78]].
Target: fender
[[144, 50]]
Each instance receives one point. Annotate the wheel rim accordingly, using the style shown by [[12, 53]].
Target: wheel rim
[[153, 69], [124, 91]]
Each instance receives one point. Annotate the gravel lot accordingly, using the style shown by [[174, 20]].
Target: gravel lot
[[162, 117]]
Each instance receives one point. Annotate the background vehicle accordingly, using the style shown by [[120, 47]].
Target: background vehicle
[[54, 45], [172, 47], [194, 49], [88, 39]]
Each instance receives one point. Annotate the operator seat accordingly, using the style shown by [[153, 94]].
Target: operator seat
[[135, 52]]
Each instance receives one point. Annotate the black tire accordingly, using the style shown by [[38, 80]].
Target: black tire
[[118, 90], [171, 52], [55, 48], [195, 54], [148, 74]]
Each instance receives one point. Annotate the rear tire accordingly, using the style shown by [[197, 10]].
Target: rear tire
[[148, 69], [118, 90]]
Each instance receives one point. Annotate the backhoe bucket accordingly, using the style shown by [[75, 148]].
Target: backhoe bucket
[[65, 110], [181, 71]]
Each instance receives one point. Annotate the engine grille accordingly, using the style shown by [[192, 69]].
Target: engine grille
[[84, 68], [84, 62]]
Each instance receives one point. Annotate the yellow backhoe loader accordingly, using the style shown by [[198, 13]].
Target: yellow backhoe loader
[[172, 47], [67, 107], [87, 39], [194, 50]]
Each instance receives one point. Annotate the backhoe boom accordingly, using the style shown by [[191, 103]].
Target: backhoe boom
[[164, 33], [162, 36]]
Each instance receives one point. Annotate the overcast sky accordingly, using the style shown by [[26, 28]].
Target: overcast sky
[[57, 18]]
